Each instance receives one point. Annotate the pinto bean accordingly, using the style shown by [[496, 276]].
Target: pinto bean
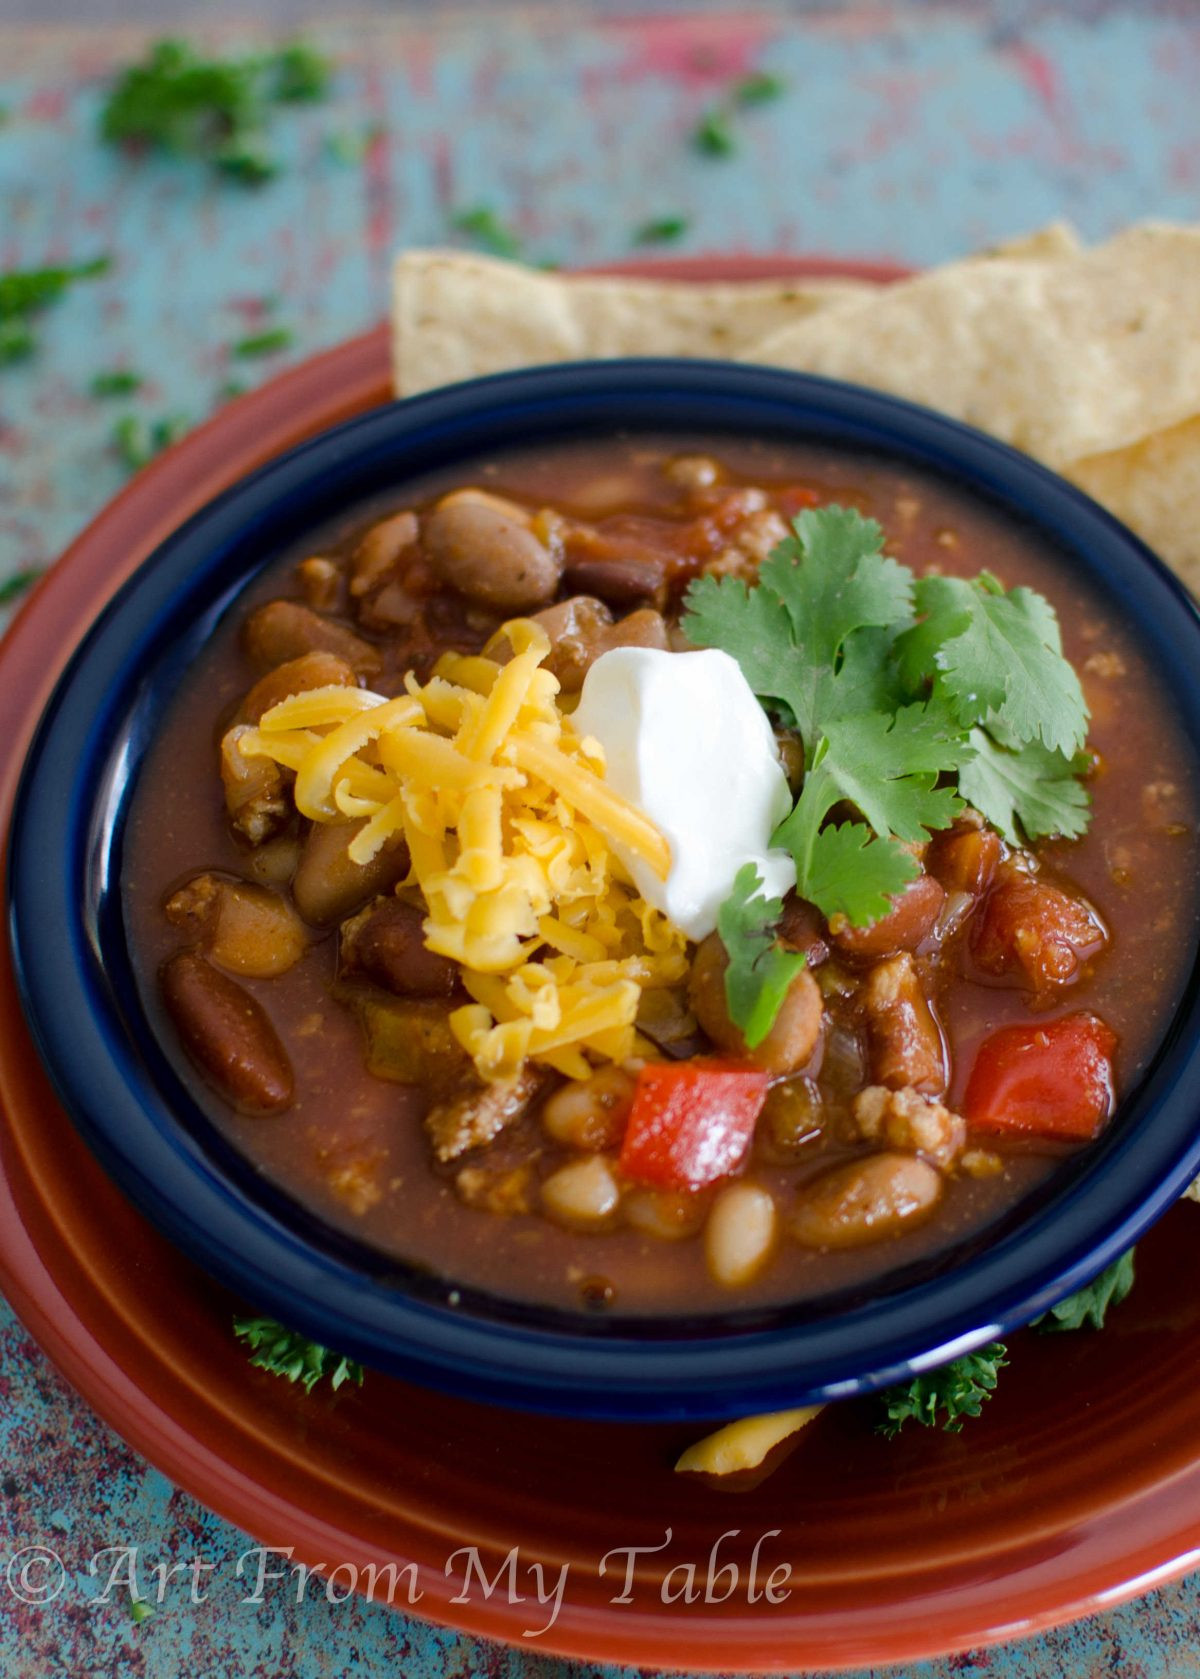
[[1036, 932], [802, 927], [866, 1201], [328, 886], [484, 547], [907, 1048], [256, 790], [581, 629], [246, 929], [283, 630], [227, 1033], [386, 942], [964, 859], [297, 676], [670, 1215], [321, 582], [906, 925], [792, 1039], [622, 579], [377, 554]]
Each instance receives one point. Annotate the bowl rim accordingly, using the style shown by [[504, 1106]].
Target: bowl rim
[[67, 820]]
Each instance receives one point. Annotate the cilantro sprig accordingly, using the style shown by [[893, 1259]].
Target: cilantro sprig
[[1089, 1306], [24, 292], [912, 696], [759, 971], [282, 1352]]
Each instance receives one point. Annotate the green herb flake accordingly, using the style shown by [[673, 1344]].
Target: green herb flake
[[231, 389], [216, 110], [713, 135], [140, 1610], [349, 147], [759, 971], [943, 1398], [662, 230], [119, 382], [23, 292], [266, 343], [282, 1352], [761, 88], [137, 441], [1089, 1306], [485, 227], [13, 587]]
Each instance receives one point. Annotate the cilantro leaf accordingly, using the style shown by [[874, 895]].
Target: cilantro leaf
[[759, 88], [266, 343], [759, 972], [23, 292], [283, 1352], [791, 634], [1025, 792], [713, 135], [661, 230], [850, 872], [887, 766], [943, 1397], [1089, 1305], [995, 653], [120, 381], [485, 227], [15, 585]]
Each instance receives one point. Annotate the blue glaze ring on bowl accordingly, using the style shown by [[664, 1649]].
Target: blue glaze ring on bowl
[[116, 1081]]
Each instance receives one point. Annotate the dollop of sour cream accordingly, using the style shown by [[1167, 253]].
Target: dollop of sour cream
[[686, 741]]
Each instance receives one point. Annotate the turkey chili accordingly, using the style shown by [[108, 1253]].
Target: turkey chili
[[655, 876]]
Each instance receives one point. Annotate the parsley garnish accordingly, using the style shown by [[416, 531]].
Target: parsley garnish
[[1089, 1305], [759, 972], [485, 227], [265, 343], [23, 292], [910, 695], [216, 110], [283, 1352], [120, 382], [942, 1398], [137, 441], [661, 230]]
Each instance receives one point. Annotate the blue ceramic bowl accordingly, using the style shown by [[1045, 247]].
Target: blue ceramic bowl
[[82, 1001]]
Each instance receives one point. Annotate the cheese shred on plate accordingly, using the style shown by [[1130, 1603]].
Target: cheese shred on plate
[[513, 836]]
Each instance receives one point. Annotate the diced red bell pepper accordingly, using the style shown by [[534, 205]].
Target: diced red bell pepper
[[1053, 1081], [691, 1122]]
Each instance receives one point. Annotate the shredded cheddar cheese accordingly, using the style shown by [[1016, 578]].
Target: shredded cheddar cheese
[[511, 830]]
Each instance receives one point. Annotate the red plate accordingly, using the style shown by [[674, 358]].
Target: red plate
[[1078, 1487]]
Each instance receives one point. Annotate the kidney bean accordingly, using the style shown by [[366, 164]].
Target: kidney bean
[[246, 928], [227, 1033], [328, 886], [283, 630], [386, 942], [866, 1201], [906, 925], [907, 1048], [297, 676], [802, 927], [792, 1039], [484, 547]]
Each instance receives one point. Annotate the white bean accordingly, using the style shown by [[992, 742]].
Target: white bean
[[668, 1214], [583, 1195], [590, 1113], [740, 1234]]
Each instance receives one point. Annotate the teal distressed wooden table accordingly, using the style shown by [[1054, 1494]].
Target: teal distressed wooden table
[[908, 134]]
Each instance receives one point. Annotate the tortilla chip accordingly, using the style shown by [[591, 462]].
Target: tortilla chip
[[457, 315], [1154, 486], [1044, 244], [1065, 359]]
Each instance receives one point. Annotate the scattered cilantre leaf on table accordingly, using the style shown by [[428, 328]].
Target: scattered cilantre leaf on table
[[23, 292], [1089, 1306], [137, 440], [759, 971], [760, 88], [282, 1352], [661, 230], [216, 110], [266, 343], [942, 1398], [119, 382], [14, 586], [484, 226]]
